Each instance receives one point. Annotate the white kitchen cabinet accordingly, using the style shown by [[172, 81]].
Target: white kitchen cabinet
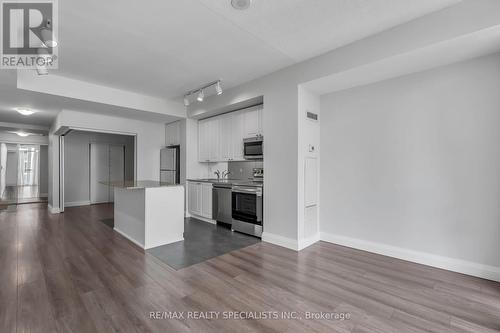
[[194, 198], [220, 138], [206, 200], [261, 121], [226, 137], [237, 136], [173, 133], [203, 141], [251, 123], [208, 140], [213, 137], [200, 199]]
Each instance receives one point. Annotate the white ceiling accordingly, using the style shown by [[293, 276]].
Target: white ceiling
[[48, 106], [165, 48]]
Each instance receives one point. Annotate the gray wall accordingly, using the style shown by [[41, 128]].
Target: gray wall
[[415, 162], [11, 173], [76, 158]]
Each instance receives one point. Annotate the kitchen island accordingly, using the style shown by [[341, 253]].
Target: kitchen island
[[148, 213]]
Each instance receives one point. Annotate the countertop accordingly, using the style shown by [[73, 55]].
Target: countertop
[[138, 184], [236, 182]]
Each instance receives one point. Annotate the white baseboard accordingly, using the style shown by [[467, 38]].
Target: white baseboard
[[306, 242], [173, 239], [451, 264], [77, 203], [203, 219], [289, 243], [129, 238], [54, 210]]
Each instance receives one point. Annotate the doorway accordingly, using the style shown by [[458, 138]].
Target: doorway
[[90, 158], [24, 173]]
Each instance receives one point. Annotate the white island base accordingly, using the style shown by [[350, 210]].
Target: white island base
[[149, 216]]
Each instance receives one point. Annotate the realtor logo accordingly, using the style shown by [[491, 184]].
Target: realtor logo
[[29, 35]]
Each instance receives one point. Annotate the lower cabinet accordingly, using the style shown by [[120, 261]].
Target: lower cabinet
[[200, 199]]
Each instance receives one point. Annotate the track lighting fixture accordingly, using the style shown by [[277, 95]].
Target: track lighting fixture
[[200, 92]]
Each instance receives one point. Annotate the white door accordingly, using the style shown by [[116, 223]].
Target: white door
[[99, 171], [116, 166]]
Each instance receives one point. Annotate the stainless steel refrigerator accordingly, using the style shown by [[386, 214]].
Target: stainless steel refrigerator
[[170, 165]]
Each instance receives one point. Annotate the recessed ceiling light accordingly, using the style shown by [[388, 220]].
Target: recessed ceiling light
[[25, 111], [241, 4], [21, 133]]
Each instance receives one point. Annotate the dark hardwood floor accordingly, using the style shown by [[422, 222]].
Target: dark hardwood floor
[[71, 273]]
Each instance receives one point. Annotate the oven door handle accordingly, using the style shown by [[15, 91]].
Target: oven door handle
[[257, 193]]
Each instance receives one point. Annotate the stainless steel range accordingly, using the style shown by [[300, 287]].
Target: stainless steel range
[[247, 208]]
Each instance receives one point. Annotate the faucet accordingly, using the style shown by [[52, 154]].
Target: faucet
[[217, 173], [225, 174]]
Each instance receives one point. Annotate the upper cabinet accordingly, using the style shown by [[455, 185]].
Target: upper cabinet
[[252, 123], [173, 134], [208, 140], [220, 138]]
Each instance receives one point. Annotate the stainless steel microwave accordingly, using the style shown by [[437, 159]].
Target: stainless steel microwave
[[253, 148]]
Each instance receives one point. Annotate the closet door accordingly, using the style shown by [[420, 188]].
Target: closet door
[[116, 166], [99, 171]]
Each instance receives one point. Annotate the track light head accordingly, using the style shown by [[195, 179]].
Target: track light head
[[186, 100], [218, 88], [201, 96]]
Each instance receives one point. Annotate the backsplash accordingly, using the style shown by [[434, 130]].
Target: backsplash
[[243, 170]]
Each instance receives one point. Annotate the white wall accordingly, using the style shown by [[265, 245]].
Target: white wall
[[414, 163], [308, 149], [76, 159], [282, 218], [150, 138]]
